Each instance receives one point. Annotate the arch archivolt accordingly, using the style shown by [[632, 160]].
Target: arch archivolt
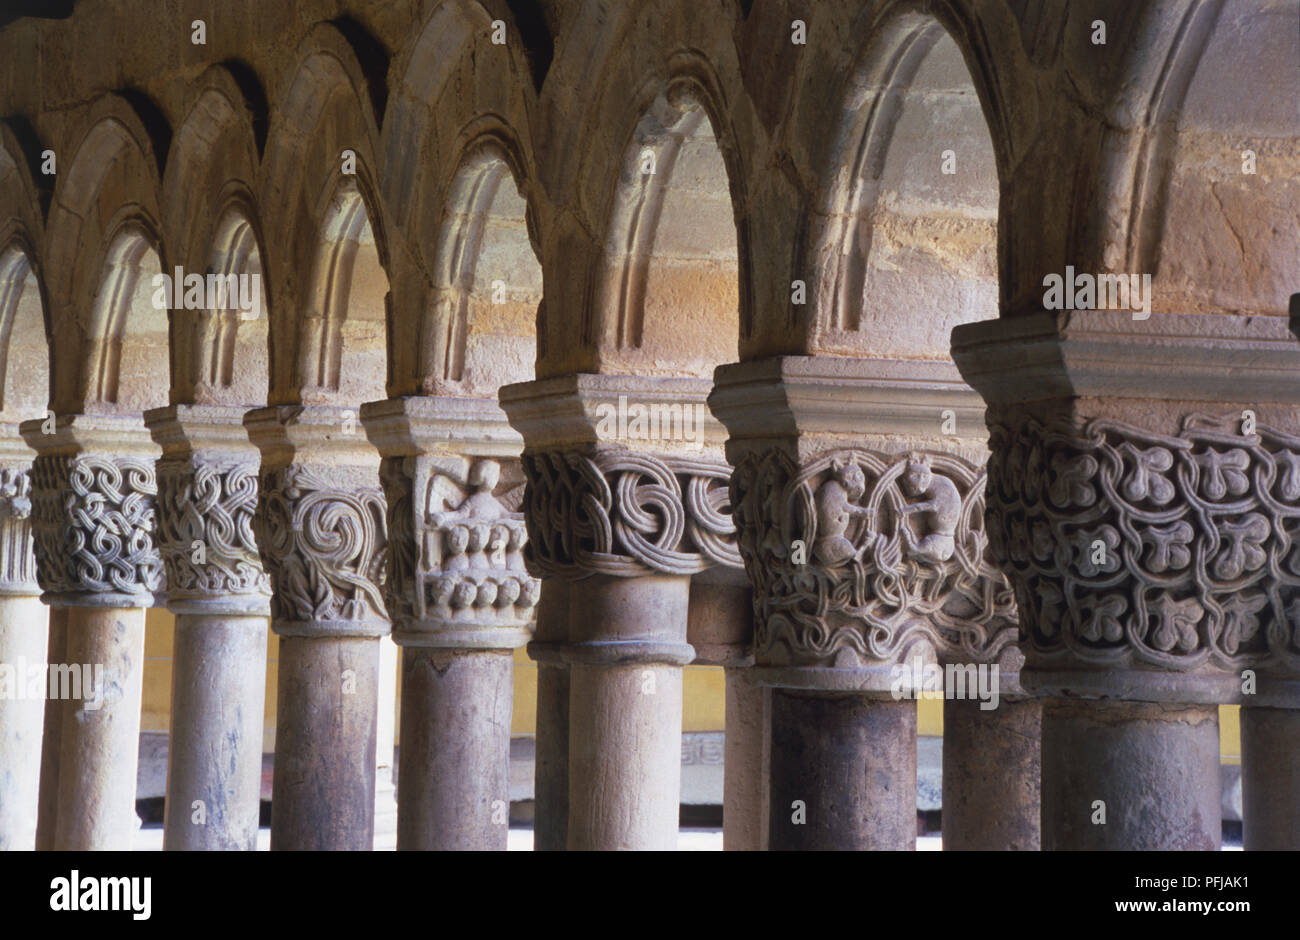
[[645, 72], [459, 123], [1198, 186], [210, 216], [803, 133], [106, 205], [24, 346], [487, 282], [306, 180], [902, 238], [127, 328], [24, 351]]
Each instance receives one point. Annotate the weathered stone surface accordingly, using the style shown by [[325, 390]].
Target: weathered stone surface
[[447, 202]]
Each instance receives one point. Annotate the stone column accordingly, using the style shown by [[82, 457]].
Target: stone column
[[627, 516], [747, 763], [24, 637], [627, 647], [991, 767], [1270, 782], [843, 772], [1270, 745], [721, 629], [386, 741], [93, 527], [48, 809], [551, 760], [1144, 500], [858, 487], [461, 601], [321, 530], [207, 498]]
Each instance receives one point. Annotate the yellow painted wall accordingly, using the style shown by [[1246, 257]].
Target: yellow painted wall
[[703, 698]]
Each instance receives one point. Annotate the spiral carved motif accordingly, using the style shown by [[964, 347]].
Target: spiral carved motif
[[626, 515], [864, 555], [93, 524], [1129, 547], [324, 547], [205, 528]]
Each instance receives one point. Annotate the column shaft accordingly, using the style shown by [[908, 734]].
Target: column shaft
[[625, 718], [551, 760], [843, 772], [625, 757], [991, 775], [1153, 770], [215, 752], [386, 740], [23, 642], [745, 774], [321, 533], [99, 746], [454, 776], [1270, 778], [52, 734], [323, 791]]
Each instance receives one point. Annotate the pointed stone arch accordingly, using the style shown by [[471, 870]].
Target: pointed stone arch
[[210, 217], [1197, 87], [24, 350], [24, 324], [662, 49], [668, 284], [324, 111], [103, 221], [902, 230], [344, 232], [454, 126], [479, 333], [126, 333]]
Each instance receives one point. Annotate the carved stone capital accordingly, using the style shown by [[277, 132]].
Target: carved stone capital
[[1153, 565], [1143, 499], [624, 515], [858, 494], [325, 548], [863, 561], [456, 572], [17, 561], [625, 477], [205, 536], [207, 498], [457, 576], [93, 512], [320, 522]]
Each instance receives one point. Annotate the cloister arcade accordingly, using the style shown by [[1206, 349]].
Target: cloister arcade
[[467, 247]]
